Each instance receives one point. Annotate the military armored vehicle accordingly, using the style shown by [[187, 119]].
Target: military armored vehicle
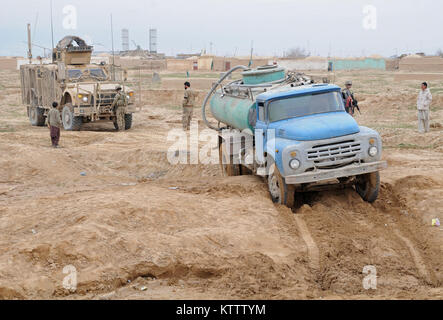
[[84, 91]]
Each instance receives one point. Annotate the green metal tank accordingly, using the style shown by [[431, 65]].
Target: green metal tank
[[236, 111], [233, 111], [263, 74]]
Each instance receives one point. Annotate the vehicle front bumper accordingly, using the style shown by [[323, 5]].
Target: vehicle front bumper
[[325, 175]]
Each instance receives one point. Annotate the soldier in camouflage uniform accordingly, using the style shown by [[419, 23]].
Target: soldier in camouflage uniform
[[119, 107], [348, 98], [188, 106]]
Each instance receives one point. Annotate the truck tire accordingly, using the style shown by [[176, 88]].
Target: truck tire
[[37, 116], [71, 122], [368, 186], [281, 192], [229, 169], [128, 121]]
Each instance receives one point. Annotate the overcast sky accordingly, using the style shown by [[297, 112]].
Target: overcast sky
[[321, 26]]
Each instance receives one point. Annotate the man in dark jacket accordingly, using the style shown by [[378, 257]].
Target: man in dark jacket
[[54, 124]]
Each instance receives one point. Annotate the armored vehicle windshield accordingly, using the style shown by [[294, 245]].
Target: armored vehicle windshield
[[80, 74]]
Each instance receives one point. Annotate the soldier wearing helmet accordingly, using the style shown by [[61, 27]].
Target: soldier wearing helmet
[[348, 98], [119, 108]]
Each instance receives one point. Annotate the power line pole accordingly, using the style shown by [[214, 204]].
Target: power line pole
[[113, 53], [29, 44], [52, 28]]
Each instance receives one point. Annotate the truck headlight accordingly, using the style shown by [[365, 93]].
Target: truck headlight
[[294, 164], [85, 99], [373, 151]]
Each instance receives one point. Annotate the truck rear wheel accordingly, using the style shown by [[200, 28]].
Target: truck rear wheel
[[37, 116], [229, 169], [368, 186], [281, 192], [71, 122]]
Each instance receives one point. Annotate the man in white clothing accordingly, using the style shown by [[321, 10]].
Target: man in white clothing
[[423, 102]]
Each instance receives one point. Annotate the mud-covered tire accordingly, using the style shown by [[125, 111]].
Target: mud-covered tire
[[128, 121], [71, 122], [229, 169], [368, 186], [37, 116], [280, 192]]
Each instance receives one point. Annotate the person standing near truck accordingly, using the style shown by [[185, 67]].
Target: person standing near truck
[[423, 102], [188, 106], [54, 124], [348, 98], [119, 107]]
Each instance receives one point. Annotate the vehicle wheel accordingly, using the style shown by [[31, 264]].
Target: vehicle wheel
[[281, 192], [128, 121], [71, 122], [37, 116], [229, 169], [368, 186]]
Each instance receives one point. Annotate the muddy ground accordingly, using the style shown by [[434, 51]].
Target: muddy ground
[[136, 227]]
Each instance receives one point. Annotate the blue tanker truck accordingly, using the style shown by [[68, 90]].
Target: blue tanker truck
[[297, 134]]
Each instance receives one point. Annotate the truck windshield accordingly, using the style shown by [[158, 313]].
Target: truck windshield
[[93, 73], [74, 74], [305, 105], [98, 73]]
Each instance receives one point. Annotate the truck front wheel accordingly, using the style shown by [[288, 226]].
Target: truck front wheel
[[229, 169], [37, 116], [71, 122], [128, 121], [281, 192], [368, 186]]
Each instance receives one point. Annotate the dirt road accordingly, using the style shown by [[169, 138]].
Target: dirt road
[[136, 227]]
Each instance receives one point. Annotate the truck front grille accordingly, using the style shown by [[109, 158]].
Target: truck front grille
[[334, 154], [106, 98]]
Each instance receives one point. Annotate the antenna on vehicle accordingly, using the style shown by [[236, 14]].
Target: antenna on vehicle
[[252, 53], [52, 33], [29, 44], [35, 26], [113, 53]]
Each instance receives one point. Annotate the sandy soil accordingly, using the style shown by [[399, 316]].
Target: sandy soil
[[136, 227]]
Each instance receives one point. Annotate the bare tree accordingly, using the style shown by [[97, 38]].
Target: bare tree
[[297, 53]]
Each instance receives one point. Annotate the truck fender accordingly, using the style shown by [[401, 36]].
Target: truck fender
[[67, 98], [274, 151]]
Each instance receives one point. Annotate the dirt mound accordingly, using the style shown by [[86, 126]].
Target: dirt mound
[[420, 182]]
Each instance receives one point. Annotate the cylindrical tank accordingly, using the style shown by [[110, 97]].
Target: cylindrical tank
[[236, 111], [263, 74], [233, 111]]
